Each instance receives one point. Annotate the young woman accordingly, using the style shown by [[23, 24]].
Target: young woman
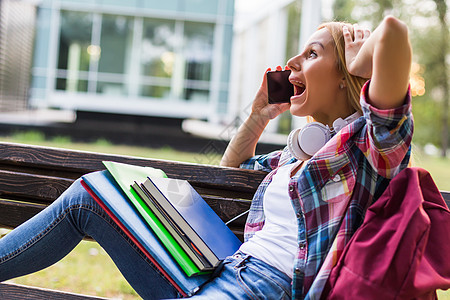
[[307, 208]]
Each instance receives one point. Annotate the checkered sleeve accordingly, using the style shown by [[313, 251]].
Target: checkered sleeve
[[263, 162], [389, 134]]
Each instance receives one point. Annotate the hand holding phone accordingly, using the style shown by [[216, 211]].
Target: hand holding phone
[[279, 89]]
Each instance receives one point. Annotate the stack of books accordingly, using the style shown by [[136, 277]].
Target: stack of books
[[167, 219]]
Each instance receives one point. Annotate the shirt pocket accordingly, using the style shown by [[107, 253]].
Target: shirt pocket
[[340, 185]]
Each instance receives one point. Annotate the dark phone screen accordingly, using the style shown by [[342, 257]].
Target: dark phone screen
[[279, 89]]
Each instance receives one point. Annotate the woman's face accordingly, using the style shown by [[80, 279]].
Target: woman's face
[[317, 81]]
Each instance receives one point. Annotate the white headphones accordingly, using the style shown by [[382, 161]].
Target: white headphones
[[304, 142]]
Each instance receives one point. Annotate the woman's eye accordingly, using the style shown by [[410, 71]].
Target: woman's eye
[[312, 54]]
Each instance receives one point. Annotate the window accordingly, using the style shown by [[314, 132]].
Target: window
[[74, 58], [198, 50], [157, 57], [115, 44], [134, 56], [158, 47], [197, 55], [115, 55]]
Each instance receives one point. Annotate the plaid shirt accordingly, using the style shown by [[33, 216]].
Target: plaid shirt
[[332, 193]]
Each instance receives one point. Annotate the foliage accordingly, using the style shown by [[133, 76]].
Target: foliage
[[429, 109], [424, 19], [444, 50], [343, 10], [293, 30], [426, 119]]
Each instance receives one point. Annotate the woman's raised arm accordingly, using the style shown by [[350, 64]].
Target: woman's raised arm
[[385, 57]]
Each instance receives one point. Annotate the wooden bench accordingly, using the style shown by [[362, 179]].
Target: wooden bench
[[31, 177]]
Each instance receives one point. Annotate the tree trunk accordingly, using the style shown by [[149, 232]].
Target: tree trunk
[[444, 48]]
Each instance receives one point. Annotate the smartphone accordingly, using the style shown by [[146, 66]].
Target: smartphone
[[279, 89]]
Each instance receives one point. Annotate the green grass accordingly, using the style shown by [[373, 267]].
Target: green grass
[[89, 270], [438, 167], [104, 146], [443, 295]]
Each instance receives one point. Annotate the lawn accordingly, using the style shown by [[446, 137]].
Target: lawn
[[89, 270], [438, 167]]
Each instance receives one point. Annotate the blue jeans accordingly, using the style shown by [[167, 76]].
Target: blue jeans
[[54, 232], [244, 277]]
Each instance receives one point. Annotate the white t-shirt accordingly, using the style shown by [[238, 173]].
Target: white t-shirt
[[276, 242]]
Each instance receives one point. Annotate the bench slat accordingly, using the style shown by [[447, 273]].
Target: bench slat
[[45, 189], [446, 196], [73, 164], [21, 186], [13, 213], [12, 291]]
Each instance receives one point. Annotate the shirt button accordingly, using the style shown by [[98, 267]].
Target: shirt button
[[297, 270], [336, 178], [291, 188], [302, 245]]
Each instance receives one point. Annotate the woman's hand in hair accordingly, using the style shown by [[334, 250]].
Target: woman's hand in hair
[[353, 44], [385, 57]]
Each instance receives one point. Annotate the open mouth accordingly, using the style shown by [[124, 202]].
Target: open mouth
[[299, 88]]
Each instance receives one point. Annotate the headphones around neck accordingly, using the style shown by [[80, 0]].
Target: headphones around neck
[[304, 142]]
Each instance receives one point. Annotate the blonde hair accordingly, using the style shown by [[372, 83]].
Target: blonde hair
[[354, 83]]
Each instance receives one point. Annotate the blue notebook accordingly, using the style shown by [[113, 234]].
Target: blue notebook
[[194, 216], [102, 186]]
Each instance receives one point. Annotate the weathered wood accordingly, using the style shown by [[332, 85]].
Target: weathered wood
[[73, 164], [14, 213], [41, 188], [10, 291], [446, 196], [38, 175], [32, 177]]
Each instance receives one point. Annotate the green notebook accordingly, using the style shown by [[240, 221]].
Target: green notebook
[[125, 175]]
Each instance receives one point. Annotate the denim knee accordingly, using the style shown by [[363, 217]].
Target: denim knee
[[76, 196]]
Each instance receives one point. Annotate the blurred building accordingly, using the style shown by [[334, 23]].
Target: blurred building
[[166, 58], [16, 46], [267, 37], [194, 64], [261, 40], [266, 34]]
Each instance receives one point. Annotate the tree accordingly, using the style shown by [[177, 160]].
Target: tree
[[427, 108], [429, 33], [342, 10], [442, 54]]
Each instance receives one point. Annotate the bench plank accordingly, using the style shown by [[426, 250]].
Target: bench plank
[[13, 213], [11, 291], [446, 196], [73, 164], [40, 188]]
